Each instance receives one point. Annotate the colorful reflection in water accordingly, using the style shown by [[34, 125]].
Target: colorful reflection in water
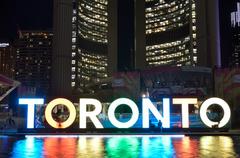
[[122, 147], [217, 146], [119, 147]]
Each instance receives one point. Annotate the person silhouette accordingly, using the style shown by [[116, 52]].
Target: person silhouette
[[160, 125]]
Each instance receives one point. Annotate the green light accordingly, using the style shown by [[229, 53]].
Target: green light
[[122, 147]]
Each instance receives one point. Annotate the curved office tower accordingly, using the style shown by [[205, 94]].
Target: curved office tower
[[170, 32], [92, 53], [176, 33]]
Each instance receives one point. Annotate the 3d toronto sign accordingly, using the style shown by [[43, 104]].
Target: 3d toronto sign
[[147, 108]]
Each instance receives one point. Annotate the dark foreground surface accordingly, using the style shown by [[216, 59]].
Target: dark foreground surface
[[73, 146]]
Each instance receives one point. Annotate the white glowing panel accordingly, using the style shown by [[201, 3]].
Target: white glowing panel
[[104, 136], [31, 102], [221, 103], [50, 107], [115, 104], [91, 114], [185, 102], [148, 106]]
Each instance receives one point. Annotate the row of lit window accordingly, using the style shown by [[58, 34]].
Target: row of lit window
[[167, 17], [159, 23], [92, 15], [181, 62], [93, 67], [168, 13], [92, 21], [154, 29], [92, 9], [93, 31], [36, 34], [171, 51], [169, 20], [169, 7], [151, 0], [92, 38], [167, 45], [94, 74], [166, 56], [94, 62], [95, 4], [92, 55], [161, 15], [97, 28], [163, 29], [105, 2]]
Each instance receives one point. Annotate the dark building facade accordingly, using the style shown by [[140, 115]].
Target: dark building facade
[[94, 42], [177, 33], [62, 48], [234, 59], [7, 59], [33, 60]]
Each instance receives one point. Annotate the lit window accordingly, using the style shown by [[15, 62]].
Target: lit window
[[73, 84]]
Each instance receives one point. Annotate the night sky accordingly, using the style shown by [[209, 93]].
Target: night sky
[[37, 14], [25, 15]]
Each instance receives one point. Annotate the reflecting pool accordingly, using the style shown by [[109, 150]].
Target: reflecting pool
[[119, 146]]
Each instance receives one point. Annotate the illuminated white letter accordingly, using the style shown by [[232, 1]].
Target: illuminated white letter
[[50, 107], [226, 112], [31, 109], [92, 114], [115, 104], [148, 106], [185, 110]]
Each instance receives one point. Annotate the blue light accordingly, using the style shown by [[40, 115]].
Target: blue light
[[29, 147], [31, 102], [151, 147]]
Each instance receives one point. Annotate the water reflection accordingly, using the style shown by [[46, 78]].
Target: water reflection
[[122, 147], [217, 146], [60, 147], [119, 147], [92, 147], [29, 147], [186, 147], [157, 147]]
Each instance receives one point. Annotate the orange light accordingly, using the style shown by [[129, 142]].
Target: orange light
[[72, 113]]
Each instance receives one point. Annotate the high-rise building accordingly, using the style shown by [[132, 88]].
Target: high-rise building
[[7, 59], [94, 42], [177, 33], [33, 60], [234, 59], [85, 44], [94, 38]]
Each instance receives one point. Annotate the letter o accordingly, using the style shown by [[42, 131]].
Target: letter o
[[50, 107], [226, 112], [115, 104]]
